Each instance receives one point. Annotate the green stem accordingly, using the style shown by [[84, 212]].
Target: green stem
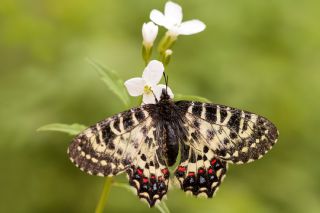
[[104, 195], [146, 53], [166, 42]]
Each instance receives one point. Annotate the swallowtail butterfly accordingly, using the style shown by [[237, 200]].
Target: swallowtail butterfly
[[145, 141]]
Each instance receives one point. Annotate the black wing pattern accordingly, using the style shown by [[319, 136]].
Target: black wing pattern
[[124, 142], [219, 135]]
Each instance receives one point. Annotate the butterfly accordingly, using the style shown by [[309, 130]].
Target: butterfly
[[145, 141]]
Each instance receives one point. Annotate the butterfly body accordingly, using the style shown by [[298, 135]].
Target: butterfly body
[[170, 129], [145, 141]]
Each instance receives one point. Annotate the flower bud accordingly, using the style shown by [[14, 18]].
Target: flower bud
[[166, 57], [149, 33]]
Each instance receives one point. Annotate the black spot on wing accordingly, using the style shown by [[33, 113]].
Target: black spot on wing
[[211, 113], [183, 106], [196, 110], [116, 124], [205, 149], [195, 135], [140, 116], [111, 145], [196, 123], [223, 114], [127, 120], [233, 135], [247, 117], [143, 157], [107, 134], [234, 121]]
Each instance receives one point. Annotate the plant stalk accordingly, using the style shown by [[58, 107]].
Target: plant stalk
[[104, 195]]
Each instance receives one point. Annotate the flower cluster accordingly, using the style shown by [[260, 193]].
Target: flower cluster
[[171, 19]]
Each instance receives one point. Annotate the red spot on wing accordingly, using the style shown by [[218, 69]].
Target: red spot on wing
[[140, 171], [165, 171], [210, 171], [181, 169], [201, 171], [213, 161], [145, 180], [191, 174]]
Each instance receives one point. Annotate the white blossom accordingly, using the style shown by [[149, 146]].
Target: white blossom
[[149, 33], [148, 85], [172, 20]]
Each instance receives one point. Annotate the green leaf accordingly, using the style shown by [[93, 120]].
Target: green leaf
[[72, 129], [112, 80], [179, 97], [162, 207]]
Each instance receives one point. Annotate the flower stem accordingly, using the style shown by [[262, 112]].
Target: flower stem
[[166, 42], [104, 195], [146, 53]]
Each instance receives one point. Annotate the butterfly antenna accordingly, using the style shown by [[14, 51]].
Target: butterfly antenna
[[166, 79], [155, 97], [167, 82]]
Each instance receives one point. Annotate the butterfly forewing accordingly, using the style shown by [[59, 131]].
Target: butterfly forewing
[[110, 146], [234, 135]]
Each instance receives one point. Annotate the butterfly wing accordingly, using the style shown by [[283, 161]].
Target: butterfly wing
[[150, 176], [216, 135], [124, 142], [110, 146], [200, 173], [234, 135]]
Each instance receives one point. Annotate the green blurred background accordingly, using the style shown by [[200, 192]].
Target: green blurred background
[[262, 56]]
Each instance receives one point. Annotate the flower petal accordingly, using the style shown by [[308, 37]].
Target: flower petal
[[135, 86], [157, 90], [152, 74], [148, 99], [157, 17], [191, 27], [173, 12]]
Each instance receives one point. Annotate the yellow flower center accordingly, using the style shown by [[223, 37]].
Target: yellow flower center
[[147, 89]]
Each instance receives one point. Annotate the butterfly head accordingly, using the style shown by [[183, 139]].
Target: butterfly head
[[165, 97]]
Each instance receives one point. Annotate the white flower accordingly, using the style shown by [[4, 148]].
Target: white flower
[[148, 84], [149, 33], [172, 20]]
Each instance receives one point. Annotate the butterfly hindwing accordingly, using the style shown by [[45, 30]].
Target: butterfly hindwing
[[234, 135], [150, 177], [200, 173]]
